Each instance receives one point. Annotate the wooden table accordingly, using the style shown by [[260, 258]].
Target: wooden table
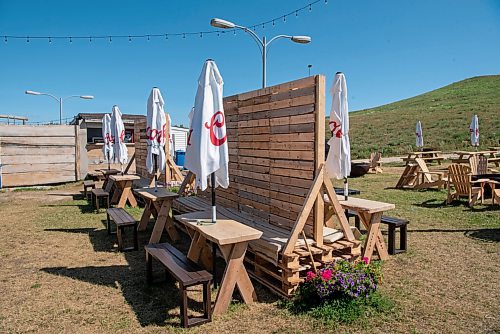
[[232, 238], [464, 156], [107, 173], [123, 191], [158, 204], [370, 214], [424, 155]]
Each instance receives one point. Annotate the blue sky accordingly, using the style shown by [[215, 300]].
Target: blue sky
[[389, 50]]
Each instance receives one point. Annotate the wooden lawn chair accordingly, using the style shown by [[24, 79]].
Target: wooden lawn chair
[[427, 179], [495, 193], [460, 179], [478, 164], [408, 177], [375, 162]]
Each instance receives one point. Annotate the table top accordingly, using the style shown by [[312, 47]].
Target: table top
[[126, 177], [224, 232], [425, 152], [152, 195], [109, 171], [473, 152], [361, 204]]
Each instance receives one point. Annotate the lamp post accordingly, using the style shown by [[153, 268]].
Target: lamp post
[[60, 100], [263, 43]]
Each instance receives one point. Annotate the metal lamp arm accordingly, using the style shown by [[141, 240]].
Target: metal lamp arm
[[52, 96], [68, 97], [276, 37], [257, 39]]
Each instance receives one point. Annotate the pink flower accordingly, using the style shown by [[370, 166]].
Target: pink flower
[[310, 275], [366, 260], [326, 274]]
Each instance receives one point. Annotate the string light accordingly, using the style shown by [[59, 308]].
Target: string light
[[148, 37]]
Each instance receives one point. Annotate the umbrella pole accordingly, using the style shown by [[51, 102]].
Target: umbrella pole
[[155, 157], [107, 154], [346, 189], [214, 208]]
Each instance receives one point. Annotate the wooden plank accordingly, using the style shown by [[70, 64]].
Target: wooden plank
[[290, 137], [36, 159], [36, 178], [41, 150], [292, 85], [254, 161], [38, 141], [77, 152], [39, 167], [319, 151], [298, 101], [292, 146], [300, 183], [37, 131], [300, 174], [301, 165], [292, 128]]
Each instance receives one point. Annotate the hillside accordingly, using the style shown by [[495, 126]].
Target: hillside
[[445, 114]]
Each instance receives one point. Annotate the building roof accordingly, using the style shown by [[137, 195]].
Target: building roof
[[97, 118]]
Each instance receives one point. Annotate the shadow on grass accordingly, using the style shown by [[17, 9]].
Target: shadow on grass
[[486, 234], [434, 203], [84, 208]]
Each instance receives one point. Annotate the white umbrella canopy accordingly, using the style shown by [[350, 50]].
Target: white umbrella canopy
[[207, 151], [419, 136], [474, 131], [155, 132], [118, 133], [338, 162], [107, 148]]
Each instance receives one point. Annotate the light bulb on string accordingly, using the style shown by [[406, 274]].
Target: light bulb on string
[[27, 39], [71, 40], [326, 2], [90, 39], [183, 35], [148, 37], [129, 39], [201, 34], [284, 18], [263, 27], [166, 36], [50, 40], [310, 7], [273, 23], [110, 39], [296, 13]]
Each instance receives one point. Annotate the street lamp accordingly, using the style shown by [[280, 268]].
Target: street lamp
[[263, 43], [60, 100]]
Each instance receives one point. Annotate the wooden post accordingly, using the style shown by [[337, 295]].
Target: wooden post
[[319, 148], [77, 153]]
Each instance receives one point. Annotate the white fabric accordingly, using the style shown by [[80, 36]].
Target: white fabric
[[156, 123], [207, 150], [107, 148], [170, 137], [118, 133], [474, 131], [338, 162], [419, 136]]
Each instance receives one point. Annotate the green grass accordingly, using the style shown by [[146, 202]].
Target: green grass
[[445, 114]]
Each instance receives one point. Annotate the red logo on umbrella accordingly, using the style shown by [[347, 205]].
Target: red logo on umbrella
[[217, 124], [109, 138], [336, 126]]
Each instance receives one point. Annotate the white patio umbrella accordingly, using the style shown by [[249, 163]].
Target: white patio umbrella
[[118, 133], [207, 151], [419, 135], [474, 131], [338, 162], [107, 148], [156, 122]]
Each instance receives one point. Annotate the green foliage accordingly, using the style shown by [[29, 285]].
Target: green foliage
[[445, 114]]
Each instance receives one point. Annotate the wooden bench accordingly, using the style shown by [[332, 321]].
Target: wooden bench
[[97, 195], [88, 184], [122, 219], [392, 223], [187, 273]]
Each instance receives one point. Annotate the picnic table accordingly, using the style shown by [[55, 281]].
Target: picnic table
[[424, 155], [350, 192], [464, 156], [232, 238], [123, 191], [107, 173], [158, 203], [370, 213]]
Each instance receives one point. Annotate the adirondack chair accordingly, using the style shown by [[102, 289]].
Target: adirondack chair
[[460, 179], [478, 164], [495, 193], [375, 162], [427, 179]]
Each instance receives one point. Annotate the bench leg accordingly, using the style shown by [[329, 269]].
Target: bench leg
[[97, 200], [183, 308], [136, 242], [107, 201], [392, 240], [149, 268], [108, 223], [207, 303], [402, 238], [357, 223], [119, 238]]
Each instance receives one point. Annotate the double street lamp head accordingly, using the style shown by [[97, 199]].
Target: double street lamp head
[[86, 97]]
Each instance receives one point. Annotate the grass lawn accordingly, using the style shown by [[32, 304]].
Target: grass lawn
[[60, 272]]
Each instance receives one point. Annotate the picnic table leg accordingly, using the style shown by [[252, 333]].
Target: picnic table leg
[[199, 251], [161, 221], [126, 194], [143, 223], [375, 240], [235, 274], [117, 193]]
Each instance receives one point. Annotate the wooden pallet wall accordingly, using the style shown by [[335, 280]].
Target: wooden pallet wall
[[38, 155], [276, 143]]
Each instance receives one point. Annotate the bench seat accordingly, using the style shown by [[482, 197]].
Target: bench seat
[[184, 271], [122, 219]]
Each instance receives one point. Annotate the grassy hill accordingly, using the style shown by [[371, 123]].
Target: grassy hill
[[445, 114]]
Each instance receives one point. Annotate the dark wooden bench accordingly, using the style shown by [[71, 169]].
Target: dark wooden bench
[[122, 219], [393, 223], [187, 273], [97, 195], [87, 184]]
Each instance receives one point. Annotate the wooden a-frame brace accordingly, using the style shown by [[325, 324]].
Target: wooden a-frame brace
[[172, 172], [321, 181]]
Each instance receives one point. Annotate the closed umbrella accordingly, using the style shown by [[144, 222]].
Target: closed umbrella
[[207, 151], [474, 131], [338, 162], [107, 148], [419, 135], [156, 123], [118, 134]]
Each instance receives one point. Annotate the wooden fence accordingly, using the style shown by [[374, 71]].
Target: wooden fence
[[37, 155]]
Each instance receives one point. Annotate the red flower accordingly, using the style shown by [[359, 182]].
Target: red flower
[[326, 274], [310, 275], [366, 260]]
